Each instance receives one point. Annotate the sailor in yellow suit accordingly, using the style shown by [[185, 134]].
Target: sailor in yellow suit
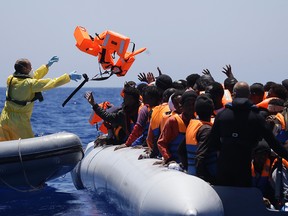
[[23, 88]]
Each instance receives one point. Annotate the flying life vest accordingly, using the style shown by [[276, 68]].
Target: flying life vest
[[106, 45], [38, 95], [192, 147]]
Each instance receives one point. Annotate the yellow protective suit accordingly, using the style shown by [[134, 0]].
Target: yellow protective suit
[[15, 119]]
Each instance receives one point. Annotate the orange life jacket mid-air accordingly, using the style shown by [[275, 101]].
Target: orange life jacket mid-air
[[105, 46]]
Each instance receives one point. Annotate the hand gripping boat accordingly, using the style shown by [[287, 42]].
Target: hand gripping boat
[[30, 163]]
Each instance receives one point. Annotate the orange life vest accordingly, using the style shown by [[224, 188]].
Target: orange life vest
[[281, 119], [105, 45], [94, 118], [165, 117], [261, 181], [157, 116], [265, 102], [155, 121], [173, 146], [85, 43], [266, 169], [192, 143], [284, 162]]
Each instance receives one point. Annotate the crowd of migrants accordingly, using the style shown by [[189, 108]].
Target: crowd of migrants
[[230, 133]]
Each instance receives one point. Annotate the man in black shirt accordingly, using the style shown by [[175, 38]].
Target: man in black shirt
[[235, 133]]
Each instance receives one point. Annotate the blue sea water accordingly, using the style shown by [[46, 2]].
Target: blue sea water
[[60, 197]]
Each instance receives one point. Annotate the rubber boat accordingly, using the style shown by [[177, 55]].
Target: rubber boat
[[137, 187], [30, 163]]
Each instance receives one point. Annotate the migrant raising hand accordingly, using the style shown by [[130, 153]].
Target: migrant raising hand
[[89, 96], [142, 77], [206, 72], [228, 71], [150, 77]]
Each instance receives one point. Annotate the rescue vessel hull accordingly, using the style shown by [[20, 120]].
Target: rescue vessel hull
[[30, 163]]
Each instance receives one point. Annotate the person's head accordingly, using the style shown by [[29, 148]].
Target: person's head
[[204, 107], [285, 83], [140, 86], [241, 90], [268, 85], [163, 82], [202, 82], [175, 104], [191, 80], [188, 102], [127, 84], [167, 93], [256, 93], [277, 90], [179, 84], [151, 96], [216, 92], [23, 66], [275, 106], [260, 153], [229, 83], [131, 98]]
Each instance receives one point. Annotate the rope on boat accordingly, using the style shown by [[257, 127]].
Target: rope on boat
[[33, 188]]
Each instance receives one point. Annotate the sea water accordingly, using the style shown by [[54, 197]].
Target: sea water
[[60, 197]]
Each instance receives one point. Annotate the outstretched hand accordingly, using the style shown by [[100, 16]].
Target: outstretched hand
[[52, 61], [150, 77], [228, 71], [89, 96], [206, 72], [142, 77], [75, 76]]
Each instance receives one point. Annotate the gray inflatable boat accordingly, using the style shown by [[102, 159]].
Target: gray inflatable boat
[[30, 163], [137, 187]]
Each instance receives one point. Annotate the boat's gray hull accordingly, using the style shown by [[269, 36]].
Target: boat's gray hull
[[32, 162], [137, 187]]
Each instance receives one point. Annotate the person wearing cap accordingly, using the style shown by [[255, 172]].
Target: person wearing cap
[[23, 88], [174, 129], [235, 133], [200, 162]]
